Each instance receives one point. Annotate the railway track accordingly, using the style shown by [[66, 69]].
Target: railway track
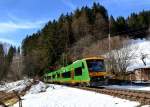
[[133, 95]]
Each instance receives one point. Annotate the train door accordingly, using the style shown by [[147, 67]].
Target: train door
[[78, 72]]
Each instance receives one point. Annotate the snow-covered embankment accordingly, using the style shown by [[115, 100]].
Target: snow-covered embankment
[[49, 95]]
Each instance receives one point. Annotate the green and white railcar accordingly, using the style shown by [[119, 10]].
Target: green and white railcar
[[87, 71]]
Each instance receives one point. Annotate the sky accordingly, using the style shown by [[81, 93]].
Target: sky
[[19, 18]]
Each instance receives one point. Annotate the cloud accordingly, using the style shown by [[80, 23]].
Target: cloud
[[16, 26], [8, 29], [69, 4], [11, 26]]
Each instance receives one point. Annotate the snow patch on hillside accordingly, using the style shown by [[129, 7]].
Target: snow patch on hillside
[[141, 47]]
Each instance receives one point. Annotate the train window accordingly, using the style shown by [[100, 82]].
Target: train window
[[66, 74], [53, 76], [96, 65], [78, 71], [49, 77], [58, 75]]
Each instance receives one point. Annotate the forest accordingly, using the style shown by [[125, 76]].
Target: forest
[[70, 37]]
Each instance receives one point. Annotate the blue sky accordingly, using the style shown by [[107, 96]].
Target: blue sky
[[21, 17]]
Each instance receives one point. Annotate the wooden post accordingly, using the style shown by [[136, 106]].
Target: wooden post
[[19, 98]]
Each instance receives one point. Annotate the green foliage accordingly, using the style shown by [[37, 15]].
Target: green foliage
[[135, 22], [2, 60], [1, 51], [18, 50], [5, 61], [11, 53], [139, 20], [113, 25], [121, 24]]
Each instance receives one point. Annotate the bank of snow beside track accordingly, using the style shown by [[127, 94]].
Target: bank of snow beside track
[[49, 95], [130, 87]]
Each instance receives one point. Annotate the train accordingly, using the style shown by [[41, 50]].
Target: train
[[85, 72]]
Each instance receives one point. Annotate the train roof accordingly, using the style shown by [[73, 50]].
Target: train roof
[[89, 58]]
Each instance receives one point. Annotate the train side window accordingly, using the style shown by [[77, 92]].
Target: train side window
[[58, 75], [66, 74], [53, 76], [49, 77], [78, 71]]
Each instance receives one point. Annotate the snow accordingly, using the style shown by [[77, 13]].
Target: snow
[[146, 106], [50, 95], [137, 49], [16, 86], [40, 87], [131, 87], [142, 48], [62, 96]]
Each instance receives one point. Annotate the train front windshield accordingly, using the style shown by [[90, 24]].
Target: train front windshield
[[96, 65]]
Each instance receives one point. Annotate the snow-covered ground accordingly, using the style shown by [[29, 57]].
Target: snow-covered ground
[[16, 86], [49, 95], [131, 87]]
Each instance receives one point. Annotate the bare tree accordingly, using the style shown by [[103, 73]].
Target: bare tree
[[148, 33], [119, 59], [16, 68], [143, 58], [79, 48]]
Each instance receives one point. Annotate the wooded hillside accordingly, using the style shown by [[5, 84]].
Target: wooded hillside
[[68, 38]]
